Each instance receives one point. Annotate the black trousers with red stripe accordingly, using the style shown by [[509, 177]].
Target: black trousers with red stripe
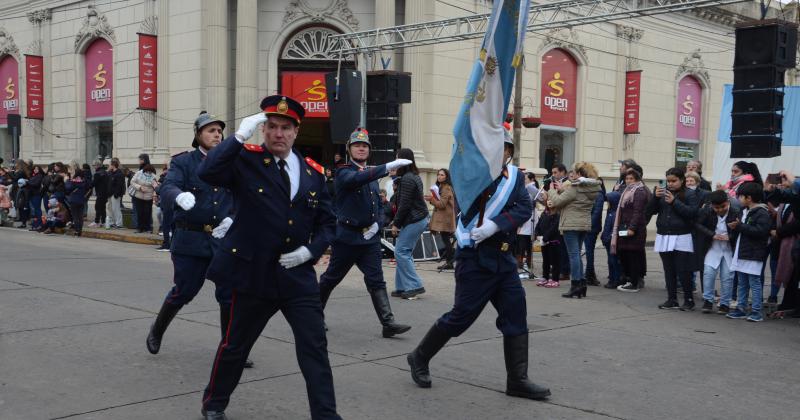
[[249, 316]]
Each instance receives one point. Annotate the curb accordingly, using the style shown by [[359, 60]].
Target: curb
[[108, 236]]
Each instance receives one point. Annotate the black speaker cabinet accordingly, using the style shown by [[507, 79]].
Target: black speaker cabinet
[[756, 123], [383, 126], [755, 146], [383, 110], [757, 100], [345, 111], [389, 86], [758, 77], [766, 42]]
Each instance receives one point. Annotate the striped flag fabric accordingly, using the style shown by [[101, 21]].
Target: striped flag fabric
[[477, 155]]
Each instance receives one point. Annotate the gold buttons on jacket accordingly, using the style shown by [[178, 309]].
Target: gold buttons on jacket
[[288, 240], [260, 190], [291, 222], [233, 250]]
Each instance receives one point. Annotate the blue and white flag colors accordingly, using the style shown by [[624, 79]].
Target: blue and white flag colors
[[477, 157]]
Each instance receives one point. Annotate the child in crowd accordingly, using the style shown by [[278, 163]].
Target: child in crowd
[[751, 236], [56, 217], [547, 228], [715, 245], [614, 267]]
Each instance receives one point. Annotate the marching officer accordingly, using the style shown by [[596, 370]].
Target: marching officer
[[358, 204], [283, 223], [486, 271], [201, 217]]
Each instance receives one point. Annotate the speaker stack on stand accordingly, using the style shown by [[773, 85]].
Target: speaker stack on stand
[[764, 50], [386, 90]]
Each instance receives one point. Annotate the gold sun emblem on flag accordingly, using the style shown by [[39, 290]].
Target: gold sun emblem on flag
[[491, 65]]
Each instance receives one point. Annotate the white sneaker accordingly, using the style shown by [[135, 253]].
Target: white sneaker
[[628, 287]]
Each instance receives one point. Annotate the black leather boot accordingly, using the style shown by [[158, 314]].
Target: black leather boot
[[418, 359], [213, 415], [380, 300], [164, 317], [577, 289], [591, 279], [518, 384], [224, 322]]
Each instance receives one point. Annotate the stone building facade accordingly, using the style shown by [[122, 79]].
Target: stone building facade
[[225, 55]]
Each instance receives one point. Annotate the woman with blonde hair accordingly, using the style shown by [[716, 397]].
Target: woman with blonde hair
[[574, 200]]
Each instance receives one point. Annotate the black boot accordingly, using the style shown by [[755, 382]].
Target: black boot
[[224, 322], [613, 284], [380, 300], [213, 415], [517, 384], [577, 289], [591, 279], [418, 359], [165, 316]]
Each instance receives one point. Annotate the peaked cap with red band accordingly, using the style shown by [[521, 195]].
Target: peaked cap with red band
[[283, 106]]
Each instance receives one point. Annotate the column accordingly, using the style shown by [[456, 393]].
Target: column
[[384, 18], [163, 125], [42, 141], [247, 94], [215, 17], [413, 114]]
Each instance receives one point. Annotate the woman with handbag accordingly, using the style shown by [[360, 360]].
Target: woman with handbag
[[142, 187]]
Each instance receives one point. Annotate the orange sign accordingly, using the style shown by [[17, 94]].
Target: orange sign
[[309, 89]]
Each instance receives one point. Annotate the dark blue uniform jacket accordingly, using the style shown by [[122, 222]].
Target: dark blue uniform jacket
[[266, 223]]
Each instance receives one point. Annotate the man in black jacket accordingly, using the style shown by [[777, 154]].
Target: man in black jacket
[[101, 183], [751, 236], [116, 189], [715, 249]]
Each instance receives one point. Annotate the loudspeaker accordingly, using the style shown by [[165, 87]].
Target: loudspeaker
[[388, 86], [384, 148], [14, 121], [755, 146], [758, 77], [757, 100], [344, 112], [770, 42], [382, 110], [756, 123], [383, 126]]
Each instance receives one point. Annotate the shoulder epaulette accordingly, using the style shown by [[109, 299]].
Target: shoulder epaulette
[[315, 165], [253, 147]]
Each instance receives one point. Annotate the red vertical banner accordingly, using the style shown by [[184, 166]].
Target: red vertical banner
[[34, 92], [9, 87], [148, 72], [633, 87], [689, 106], [99, 80], [559, 88]]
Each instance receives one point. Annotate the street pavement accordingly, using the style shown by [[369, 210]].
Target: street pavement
[[74, 314]]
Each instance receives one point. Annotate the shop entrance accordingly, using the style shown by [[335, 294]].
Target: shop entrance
[[99, 140], [556, 146]]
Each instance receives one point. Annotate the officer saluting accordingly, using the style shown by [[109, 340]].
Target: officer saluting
[[282, 225], [201, 216], [486, 271], [358, 205]]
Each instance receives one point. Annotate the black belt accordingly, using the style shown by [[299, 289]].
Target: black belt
[[355, 228], [193, 227]]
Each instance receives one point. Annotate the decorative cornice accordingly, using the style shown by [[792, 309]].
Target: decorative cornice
[[7, 45], [717, 15], [149, 25], [564, 38], [337, 8], [693, 64], [629, 33], [95, 25], [36, 17]]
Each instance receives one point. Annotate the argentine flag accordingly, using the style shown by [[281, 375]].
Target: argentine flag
[[477, 157]]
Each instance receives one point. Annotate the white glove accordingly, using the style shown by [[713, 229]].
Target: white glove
[[185, 200], [295, 258], [248, 126], [222, 228], [487, 229], [371, 231], [398, 163]]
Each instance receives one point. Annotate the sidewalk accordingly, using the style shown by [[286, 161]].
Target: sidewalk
[[118, 235]]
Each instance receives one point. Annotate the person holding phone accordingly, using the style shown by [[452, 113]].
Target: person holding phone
[[630, 232], [676, 207]]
